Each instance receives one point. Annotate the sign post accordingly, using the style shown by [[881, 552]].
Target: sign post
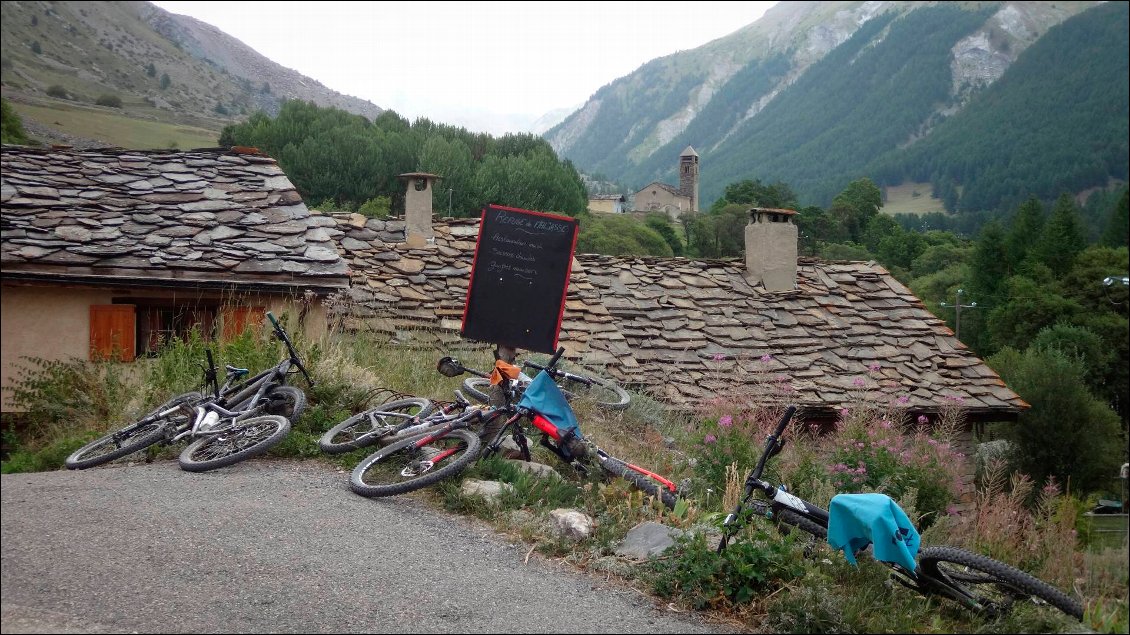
[[519, 278]]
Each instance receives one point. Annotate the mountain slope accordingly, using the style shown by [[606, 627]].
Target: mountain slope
[[161, 66], [817, 94]]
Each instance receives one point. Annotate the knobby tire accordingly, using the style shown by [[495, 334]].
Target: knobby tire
[[980, 576], [109, 447], [382, 473], [616, 467], [250, 437], [368, 428]]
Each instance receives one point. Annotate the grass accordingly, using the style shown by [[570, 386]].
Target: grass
[[912, 198], [117, 129], [766, 582]]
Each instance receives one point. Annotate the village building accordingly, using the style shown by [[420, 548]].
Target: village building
[[109, 253], [607, 203], [673, 201]]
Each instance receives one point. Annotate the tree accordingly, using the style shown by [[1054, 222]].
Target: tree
[[11, 127], [165, 81], [150, 69], [662, 226], [855, 206], [1066, 433], [1117, 232], [1063, 237], [1029, 307], [36, 48], [1025, 230]]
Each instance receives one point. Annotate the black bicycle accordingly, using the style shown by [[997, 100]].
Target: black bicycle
[[976, 582], [230, 423]]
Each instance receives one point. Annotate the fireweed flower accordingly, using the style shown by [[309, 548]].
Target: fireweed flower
[[719, 357], [874, 367], [766, 358], [858, 382], [922, 420], [904, 399], [726, 421], [710, 438]]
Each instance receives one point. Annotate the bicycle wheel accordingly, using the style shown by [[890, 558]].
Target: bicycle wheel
[[989, 585], [616, 467], [367, 428], [477, 388], [796, 520], [601, 392], [134, 437], [250, 437], [286, 401], [402, 467]]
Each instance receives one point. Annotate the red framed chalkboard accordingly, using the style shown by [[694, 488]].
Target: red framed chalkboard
[[519, 278]]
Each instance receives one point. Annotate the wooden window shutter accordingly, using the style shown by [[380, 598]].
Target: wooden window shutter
[[239, 318], [112, 328]]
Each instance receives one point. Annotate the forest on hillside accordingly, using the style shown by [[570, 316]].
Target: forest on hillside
[[873, 107]]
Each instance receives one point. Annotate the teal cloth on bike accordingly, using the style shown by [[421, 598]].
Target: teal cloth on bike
[[545, 398], [855, 520]]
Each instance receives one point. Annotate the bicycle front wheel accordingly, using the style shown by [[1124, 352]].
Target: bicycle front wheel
[[286, 401], [603, 393], [367, 428], [616, 467], [250, 437], [403, 467], [988, 585], [477, 388], [134, 437]]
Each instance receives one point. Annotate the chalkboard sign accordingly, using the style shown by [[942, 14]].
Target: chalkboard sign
[[519, 278]]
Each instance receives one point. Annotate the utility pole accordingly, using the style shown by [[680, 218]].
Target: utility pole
[[958, 307]]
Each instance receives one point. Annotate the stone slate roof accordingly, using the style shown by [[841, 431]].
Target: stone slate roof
[[692, 331], [200, 218]]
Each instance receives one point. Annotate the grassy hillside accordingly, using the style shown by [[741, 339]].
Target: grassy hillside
[[115, 128]]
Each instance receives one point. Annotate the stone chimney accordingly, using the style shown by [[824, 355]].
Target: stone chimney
[[418, 230], [771, 248]]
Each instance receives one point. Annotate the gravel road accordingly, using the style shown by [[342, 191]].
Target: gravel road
[[279, 546]]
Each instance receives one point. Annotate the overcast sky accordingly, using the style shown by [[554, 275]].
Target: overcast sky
[[460, 62]]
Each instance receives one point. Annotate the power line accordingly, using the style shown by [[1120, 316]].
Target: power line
[[958, 306]]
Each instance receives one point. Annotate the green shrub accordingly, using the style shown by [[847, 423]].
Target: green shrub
[[695, 574], [56, 90], [111, 101]]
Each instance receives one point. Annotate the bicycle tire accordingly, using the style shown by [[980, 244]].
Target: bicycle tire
[[979, 575], [363, 429], [250, 437], [616, 467], [800, 522], [477, 388], [111, 447], [603, 393], [286, 401], [383, 473]]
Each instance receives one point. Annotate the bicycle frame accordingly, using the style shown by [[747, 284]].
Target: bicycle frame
[[780, 500]]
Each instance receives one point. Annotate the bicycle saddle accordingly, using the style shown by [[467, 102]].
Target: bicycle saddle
[[238, 372]]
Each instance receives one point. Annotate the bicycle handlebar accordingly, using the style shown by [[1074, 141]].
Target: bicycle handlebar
[[281, 334], [552, 362]]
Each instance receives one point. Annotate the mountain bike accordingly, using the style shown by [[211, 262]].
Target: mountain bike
[[974, 581], [232, 422], [604, 393], [452, 444]]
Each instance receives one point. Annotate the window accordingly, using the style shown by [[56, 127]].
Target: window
[[135, 327]]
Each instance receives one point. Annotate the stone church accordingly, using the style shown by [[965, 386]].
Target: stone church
[[660, 197]]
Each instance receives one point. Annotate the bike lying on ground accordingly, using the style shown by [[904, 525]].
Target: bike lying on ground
[[976, 582], [603, 393], [460, 433], [233, 422]]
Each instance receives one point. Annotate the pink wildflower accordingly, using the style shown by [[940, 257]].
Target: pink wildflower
[[874, 367], [858, 382], [710, 438], [922, 420], [719, 357], [726, 421], [903, 399], [766, 358]]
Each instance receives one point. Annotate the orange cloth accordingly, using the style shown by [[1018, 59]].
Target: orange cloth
[[503, 369]]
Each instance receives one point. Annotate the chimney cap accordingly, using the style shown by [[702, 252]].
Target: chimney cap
[[417, 175]]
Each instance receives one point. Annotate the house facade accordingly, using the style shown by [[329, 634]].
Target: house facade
[[607, 203], [111, 253]]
